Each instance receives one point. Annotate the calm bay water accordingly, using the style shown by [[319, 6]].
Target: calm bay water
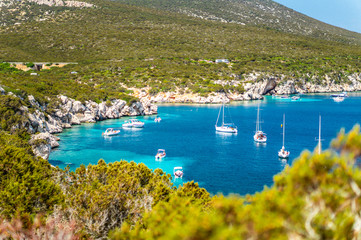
[[221, 163]]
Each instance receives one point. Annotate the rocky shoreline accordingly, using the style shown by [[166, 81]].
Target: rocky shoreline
[[253, 90], [43, 125], [72, 112]]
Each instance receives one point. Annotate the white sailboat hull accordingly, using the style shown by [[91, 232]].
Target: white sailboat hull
[[283, 154], [133, 125], [260, 137], [226, 129]]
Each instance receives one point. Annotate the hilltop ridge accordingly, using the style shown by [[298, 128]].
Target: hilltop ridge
[[260, 13]]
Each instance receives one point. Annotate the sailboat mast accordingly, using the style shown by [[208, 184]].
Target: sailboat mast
[[219, 113], [257, 122], [284, 126], [223, 116], [319, 136]]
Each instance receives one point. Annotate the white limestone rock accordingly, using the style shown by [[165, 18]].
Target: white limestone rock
[[33, 102], [73, 120], [42, 144], [78, 107], [2, 91], [53, 125]]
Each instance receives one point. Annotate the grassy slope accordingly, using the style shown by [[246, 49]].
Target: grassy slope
[[120, 31], [264, 13], [113, 41]]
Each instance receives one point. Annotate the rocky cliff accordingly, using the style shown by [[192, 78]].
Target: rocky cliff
[[42, 122], [254, 89]]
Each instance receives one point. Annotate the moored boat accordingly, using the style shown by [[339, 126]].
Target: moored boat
[[133, 123], [225, 127], [178, 172], [259, 136], [283, 153], [338, 99], [160, 154], [343, 94], [110, 132]]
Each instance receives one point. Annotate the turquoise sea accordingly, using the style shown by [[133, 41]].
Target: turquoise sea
[[221, 163]]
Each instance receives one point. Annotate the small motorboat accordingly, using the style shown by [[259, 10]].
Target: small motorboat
[[178, 172], [133, 123], [157, 119], [160, 154], [295, 98], [343, 94], [284, 96], [110, 132], [338, 99]]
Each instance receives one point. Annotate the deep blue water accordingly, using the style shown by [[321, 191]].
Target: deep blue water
[[221, 163]]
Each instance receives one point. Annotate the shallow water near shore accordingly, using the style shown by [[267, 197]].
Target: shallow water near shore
[[221, 163]]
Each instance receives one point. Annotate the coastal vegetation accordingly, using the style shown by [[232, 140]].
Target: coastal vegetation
[[317, 197], [118, 48]]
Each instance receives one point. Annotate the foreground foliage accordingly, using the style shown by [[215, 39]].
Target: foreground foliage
[[26, 185], [319, 197]]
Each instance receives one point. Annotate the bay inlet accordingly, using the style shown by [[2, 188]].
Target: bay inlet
[[220, 162]]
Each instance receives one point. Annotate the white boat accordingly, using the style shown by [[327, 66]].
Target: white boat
[[283, 153], [259, 136], [160, 154], [157, 119], [111, 132], [133, 123], [178, 172], [343, 94], [295, 98], [338, 99], [225, 127]]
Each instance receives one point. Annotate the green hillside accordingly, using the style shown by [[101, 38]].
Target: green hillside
[[261, 13], [116, 43]]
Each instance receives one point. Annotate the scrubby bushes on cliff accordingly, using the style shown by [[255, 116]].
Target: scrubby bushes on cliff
[[26, 185], [10, 112]]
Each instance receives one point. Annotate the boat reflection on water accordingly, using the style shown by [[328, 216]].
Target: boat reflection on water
[[225, 134], [283, 161], [260, 144]]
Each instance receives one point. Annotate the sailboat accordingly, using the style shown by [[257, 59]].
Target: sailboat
[[283, 153], [259, 136], [319, 135], [225, 127]]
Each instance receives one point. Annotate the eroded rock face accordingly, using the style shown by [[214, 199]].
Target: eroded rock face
[[42, 144], [271, 84], [72, 112]]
